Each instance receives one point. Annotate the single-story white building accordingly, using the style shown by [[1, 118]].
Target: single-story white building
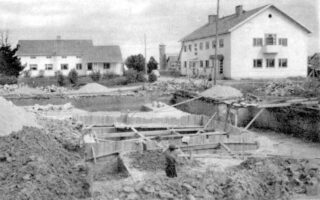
[[47, 57]]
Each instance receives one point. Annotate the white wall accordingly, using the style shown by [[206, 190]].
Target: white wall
[[204, 54], [243, 52], [41, 61], [115, 68]]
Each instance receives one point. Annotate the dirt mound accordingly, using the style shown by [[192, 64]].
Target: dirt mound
[[280, 88], [35, 165], [13, 118], [263, 179], [153, 160], [221, 92], [93, 88]]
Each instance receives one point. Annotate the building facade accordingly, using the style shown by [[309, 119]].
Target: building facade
[[47, 57], [260, 43]]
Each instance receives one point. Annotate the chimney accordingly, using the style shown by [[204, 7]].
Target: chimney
[[212, 18], [58, 37], [239, 10]]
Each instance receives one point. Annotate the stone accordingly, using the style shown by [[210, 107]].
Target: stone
[[148, 189], [26, 177], [133, 196], [190, 197], [128, 189], [165, 195], [187, 187]]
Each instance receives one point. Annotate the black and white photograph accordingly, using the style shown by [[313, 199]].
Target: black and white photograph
[[159, 100]]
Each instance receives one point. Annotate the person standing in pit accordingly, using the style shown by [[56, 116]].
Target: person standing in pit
[[171, 161]]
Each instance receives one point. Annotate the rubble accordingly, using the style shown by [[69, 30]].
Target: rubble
[[35, 165], [280, 88], [23, 89]]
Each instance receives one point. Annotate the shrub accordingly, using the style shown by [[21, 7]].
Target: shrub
[[175, 73], [131, 76], [141, 77], [73, 76], [26, 73], [109, 75], [60, 79], [121, 80], [153, 78], [9, 80], [41, 73], [95, 76]]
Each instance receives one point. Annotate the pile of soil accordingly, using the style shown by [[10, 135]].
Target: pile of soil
[[264, 179], [94, 88], [280, 88], [221, 92], [154, 160], [13, 118], [35, 165]]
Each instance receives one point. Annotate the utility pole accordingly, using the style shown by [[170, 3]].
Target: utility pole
[[145, 54], [215, 60]]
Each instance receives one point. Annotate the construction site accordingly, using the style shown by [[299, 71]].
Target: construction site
[[103, 143]]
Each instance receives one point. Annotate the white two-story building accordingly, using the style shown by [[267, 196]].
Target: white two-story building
[[46, 57], [261, 43]]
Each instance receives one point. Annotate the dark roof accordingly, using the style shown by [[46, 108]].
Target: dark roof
[[228, 22], [109, 54], [53, 47]]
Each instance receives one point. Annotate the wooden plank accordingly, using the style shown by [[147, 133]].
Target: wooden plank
[[94, 155], [255, 117], [153, 126], [207, 124], [227, 148]]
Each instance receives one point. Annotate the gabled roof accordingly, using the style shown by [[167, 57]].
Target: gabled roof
[[53, 47], [109, 54], [231, 22]]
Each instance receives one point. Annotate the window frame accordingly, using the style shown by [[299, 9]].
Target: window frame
[[257, 42], [31, 67], [190, 47], [185, 64], [106, 66], [283, 42], [47, 68], [207, 45], [255, 63], [185, 48], [268, 63], [201, 46], [89, 66], [274, 39], [221, 43], [207, 64], [201, 63], [77, 66], [62, 66], [281, 61], [214, 43]]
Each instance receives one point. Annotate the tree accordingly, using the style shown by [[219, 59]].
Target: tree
[[10, 64], [152, 64], [136, 62]]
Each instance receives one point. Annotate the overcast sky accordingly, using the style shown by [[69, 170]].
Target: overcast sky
[[124, 22]]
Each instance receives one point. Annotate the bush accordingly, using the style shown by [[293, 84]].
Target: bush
[[131, 76], [109, 75], [121, 80], [141, 77], [152, 78], [95, 76], [41, 73], [9, 80], [26, 73], [175, 73], [73, 76], [60, 79]]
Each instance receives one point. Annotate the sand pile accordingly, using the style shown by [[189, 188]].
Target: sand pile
[[35, 165], [13, 118], [94, 88], [222, 92]]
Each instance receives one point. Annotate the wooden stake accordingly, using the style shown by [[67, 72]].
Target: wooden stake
[[255, 117]]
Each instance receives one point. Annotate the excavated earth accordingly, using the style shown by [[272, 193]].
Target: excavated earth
[[37, 164]]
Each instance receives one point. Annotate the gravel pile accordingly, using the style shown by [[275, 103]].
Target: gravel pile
[[222, 92]]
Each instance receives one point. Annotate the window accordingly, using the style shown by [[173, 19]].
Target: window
[[213, 44], [201, 63], [89, 66], [63, 56], [78, 66], [195, 47], [283, 41], [257, 63], [221, 66], [207, 45], [201, 45], [190, 47], [185, 48], [207, 63], [270, 62], [49, 57], [221, 43], [64, 66], [185, 64], [283, 62], [271, 39], [106, 65], [78, 56], [257, 42], [33, 57], [34, 67], [49, 67]]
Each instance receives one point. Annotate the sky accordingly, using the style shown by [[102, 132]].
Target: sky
[[125, 22]]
